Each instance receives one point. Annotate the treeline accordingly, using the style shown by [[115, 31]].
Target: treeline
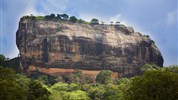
[[58, 17], [155, 83], [65, 17]]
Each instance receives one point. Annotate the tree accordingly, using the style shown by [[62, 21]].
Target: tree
[[52, 16], [73, 19], [154, 85], [147, 67], [172, 68], [36, 91], [64, 16], [76, 77], [59, 16], [112, 92], [95, 91], [49, 17], [2, 58], [23, 82], [104, 77], [9, 87], [43, 79], [123, 81], [94, 21], [76, 95]]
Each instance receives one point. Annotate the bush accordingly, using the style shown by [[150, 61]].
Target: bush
[[40, 17], [94, 21], [73, 19], [83, 21]]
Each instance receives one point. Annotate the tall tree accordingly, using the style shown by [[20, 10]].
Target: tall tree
[[154, 85], [9, 88]]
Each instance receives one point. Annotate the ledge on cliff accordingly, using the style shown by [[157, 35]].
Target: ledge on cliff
[[58, 42]]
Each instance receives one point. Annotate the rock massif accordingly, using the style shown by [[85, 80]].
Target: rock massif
[[67, 45]]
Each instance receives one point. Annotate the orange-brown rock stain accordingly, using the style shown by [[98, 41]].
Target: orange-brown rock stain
[[61, 71]]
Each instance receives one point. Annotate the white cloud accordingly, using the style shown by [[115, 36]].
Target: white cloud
[[172, 18], [30, 9], [51, 6], [12, 12]]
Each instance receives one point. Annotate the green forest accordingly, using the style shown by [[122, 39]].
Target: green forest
[[154, 83]]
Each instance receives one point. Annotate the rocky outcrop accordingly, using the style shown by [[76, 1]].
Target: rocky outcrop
[[62, 44]]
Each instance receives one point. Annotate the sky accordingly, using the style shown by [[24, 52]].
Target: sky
[[156, 18]]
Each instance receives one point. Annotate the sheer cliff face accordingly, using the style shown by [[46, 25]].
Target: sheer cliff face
[[55, 44]]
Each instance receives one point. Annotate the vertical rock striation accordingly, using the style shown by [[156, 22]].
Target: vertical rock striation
[[62, 44]]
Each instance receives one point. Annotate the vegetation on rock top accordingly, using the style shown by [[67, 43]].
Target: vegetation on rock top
[[65, 17]]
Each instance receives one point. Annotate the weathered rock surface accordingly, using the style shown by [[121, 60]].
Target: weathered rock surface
[[56, 44]]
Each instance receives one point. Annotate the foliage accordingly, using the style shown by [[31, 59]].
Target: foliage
[[146, 36], [60, 86], [31, 17], [75, 95], [94, 21], [123, 81], [40, 17], [19, 87], [154, 85], [23, 82], [49, 17], [149, 67], [43, 79], [95, 91], [112, 92], [10, 90], [172, 68], [59, 16], [64, 16], [73, 19], [83, 21], [76, 77], [153, 44], [2, 58], [104, 77], [36, 91]]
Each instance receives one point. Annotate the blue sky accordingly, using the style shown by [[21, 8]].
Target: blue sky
[[157, 18]]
